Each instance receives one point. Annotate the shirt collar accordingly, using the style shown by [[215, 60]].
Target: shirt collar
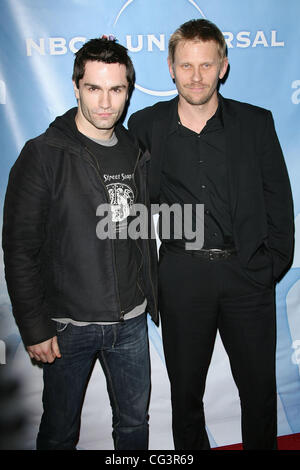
[[174, 118], [216, 119]]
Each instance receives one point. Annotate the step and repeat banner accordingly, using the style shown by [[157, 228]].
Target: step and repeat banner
[[38, 39]]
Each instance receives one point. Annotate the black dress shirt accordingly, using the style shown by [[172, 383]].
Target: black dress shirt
[[195, 172]]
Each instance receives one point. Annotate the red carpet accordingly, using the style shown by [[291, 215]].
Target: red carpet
[[291, 442]]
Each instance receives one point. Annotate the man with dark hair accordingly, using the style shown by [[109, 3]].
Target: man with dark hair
[[224, 154], [78, 295], [112, 53]]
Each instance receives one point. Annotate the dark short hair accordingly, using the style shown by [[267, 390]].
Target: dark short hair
[[102, 50], [197, 30]]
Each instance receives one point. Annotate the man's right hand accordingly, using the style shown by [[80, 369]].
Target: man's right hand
[[47, 351]]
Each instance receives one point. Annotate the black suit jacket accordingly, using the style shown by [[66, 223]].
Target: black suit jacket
[[259, 189]]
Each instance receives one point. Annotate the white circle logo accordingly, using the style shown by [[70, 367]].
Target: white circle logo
[[144, 28]]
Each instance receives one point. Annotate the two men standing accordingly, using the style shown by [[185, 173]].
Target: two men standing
[[63, 281]]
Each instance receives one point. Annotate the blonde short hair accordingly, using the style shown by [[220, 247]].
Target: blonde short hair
[[197, 30]]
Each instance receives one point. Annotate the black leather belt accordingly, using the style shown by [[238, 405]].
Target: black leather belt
[[212, 254]]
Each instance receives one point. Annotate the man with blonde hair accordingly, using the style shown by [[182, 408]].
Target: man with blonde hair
[[206, 149]]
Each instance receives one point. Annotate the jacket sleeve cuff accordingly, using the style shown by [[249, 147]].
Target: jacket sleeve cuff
[[41, 331]]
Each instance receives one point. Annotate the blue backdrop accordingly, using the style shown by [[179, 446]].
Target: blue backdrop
[[38, 41]]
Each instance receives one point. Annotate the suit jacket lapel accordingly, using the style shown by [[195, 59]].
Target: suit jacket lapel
[[159, 132], [233, 152]]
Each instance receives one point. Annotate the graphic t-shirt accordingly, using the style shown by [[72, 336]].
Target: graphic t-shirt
[[116, 159]]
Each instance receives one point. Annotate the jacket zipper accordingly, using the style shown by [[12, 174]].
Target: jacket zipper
[[150, 277], [148, 253], [137, 192]]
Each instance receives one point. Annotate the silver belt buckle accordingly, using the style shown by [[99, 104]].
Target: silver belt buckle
[[213, 251]]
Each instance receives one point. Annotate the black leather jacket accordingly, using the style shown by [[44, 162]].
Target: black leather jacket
[[55, 266]]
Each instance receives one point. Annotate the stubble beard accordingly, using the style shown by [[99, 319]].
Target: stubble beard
[[197, 101], [100, 123]]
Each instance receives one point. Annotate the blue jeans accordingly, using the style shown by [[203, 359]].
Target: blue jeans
[[123, 352]]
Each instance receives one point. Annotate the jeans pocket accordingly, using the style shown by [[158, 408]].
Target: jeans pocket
[[61, 327]]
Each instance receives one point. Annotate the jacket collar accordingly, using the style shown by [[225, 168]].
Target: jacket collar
[[62, 132]]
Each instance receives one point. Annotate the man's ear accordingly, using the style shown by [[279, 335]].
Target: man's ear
[[170, 65], [76, 91], [224, 68]]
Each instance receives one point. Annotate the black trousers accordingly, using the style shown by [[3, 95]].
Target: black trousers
[[198, 298]]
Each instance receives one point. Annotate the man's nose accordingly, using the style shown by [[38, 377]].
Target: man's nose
[[197, 75], [104, 100]]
